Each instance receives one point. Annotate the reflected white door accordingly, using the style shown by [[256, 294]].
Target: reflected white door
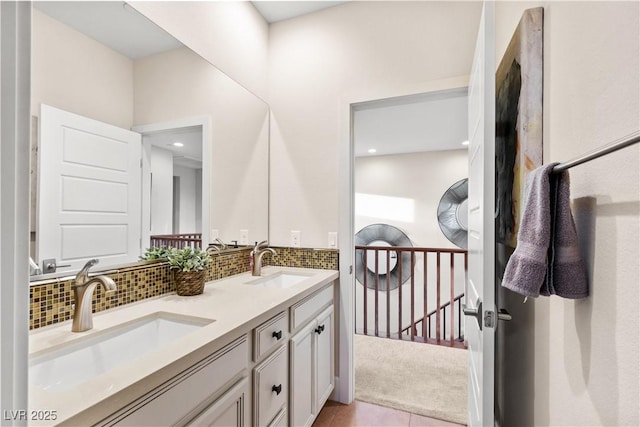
[[480, 294], [89, 203]]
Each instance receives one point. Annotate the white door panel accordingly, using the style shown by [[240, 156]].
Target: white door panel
[[93, 241], [89, 203], [88, 149], [481, 285]]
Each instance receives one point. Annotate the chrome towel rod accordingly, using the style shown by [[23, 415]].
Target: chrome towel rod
[[616, 145]]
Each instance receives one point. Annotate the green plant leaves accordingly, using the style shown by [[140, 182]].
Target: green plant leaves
[[187, 259], [156, 253]]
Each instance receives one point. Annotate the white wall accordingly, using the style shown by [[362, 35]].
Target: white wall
[[188, 199], [317, 61], [198, 206], [231, 35], [583, 355], [75, 73], [421, 178], [180, 84], [161, 191]]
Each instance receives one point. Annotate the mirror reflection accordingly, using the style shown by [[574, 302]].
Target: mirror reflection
[[136, 141]]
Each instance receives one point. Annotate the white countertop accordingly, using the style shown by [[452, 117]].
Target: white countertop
[[235, 306]]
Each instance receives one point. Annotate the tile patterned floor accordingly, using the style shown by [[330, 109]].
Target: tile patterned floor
[[362, 414]]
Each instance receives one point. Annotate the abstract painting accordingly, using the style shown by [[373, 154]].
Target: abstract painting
[[518, 127]]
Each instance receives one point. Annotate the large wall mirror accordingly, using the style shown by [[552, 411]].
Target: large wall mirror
[[135, 136]]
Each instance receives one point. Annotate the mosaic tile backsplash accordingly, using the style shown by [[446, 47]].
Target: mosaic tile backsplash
[[52, 302]]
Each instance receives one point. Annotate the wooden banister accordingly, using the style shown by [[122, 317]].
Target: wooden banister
[[179, 241], [448, 326]]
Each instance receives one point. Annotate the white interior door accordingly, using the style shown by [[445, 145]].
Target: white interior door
[[480, 294], [89, 202]]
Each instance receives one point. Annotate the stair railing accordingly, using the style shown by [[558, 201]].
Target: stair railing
[[419, 327]]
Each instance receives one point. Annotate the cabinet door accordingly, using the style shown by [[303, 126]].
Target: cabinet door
[[270, 387], [324, 372], [301, 399], [280, 420], [231, 409]]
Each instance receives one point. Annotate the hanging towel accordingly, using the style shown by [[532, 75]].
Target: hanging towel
[[567, 273], [526, 269], [546, 259]]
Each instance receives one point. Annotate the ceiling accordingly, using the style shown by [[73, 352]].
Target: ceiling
[[429, 122], [190, 154], [112, 23], [400, 125], [135, 36], [274, 11]]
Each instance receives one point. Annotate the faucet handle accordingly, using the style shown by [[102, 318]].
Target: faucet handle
[[91, 263], [83, 274], [218, 241], [88, 265]]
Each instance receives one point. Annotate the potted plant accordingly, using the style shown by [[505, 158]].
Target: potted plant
[[156, 253], [188, 267]]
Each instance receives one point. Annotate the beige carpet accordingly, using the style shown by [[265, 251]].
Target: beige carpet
[[424, 379]]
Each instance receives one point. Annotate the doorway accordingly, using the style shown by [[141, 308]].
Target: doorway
[[176, 173], [407, 152]]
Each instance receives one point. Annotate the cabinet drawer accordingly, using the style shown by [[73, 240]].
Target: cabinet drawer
[[270, 387], [178, 399], [306, 309], [268, 335]]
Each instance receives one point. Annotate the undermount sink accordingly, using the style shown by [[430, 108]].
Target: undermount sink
[[280, 280], [83, 359]]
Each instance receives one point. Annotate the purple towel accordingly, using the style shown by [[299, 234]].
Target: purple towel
[[546, 259], [568, 277]]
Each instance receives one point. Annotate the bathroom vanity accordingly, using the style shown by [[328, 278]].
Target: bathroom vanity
[[250, 351]]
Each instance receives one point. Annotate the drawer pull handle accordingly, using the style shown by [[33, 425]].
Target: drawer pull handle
[[277, 389], [319, 329], [277, 335]]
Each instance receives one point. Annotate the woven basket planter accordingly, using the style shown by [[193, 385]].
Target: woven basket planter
[[189, 283]]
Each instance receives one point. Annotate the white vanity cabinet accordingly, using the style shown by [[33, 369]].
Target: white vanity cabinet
[[271, 388], [230, 410], [271, 366], [213, 391], [270, 375], [311, 357]]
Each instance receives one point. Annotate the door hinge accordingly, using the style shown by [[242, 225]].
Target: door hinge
[[351, 269], [489, 319]]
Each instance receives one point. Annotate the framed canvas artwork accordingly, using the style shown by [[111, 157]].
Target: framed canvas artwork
[[518, 127]]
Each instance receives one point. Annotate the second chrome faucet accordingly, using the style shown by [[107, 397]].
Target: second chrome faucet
[[256, 256]]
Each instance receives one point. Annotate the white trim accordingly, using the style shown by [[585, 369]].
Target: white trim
[[345, 384], [15, 63], [207, 185]]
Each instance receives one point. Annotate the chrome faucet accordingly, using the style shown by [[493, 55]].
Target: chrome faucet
[[218, 242], [256, 256], [212, 249], [83, 288], [216, 246]]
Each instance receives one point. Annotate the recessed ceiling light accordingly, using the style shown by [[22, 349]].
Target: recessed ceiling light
[[178, 144], [372, 150], [465, 142]]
